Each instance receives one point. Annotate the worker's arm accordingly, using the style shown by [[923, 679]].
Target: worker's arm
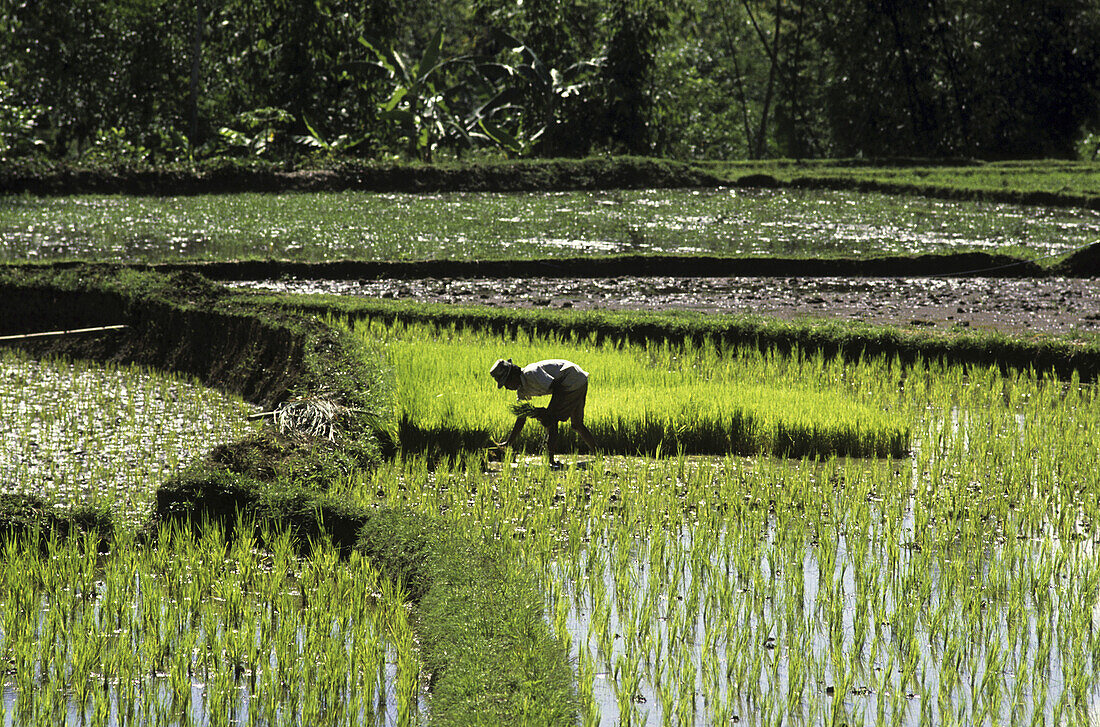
[[516, 429]]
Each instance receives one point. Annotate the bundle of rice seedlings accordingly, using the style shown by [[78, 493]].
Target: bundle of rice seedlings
[[313, 416], [527, 409]]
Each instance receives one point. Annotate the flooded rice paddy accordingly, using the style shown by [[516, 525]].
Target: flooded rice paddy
[[79, 432], [704, 625], [365, 226], [960, 585], [202, 631], [776, 593], [957, 586], [192, 631]]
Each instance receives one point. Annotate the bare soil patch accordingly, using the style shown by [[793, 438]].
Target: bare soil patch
[[1008, 305]]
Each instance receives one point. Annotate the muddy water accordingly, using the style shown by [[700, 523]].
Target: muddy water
[[1017, 305], [83, 433], [862, 698]]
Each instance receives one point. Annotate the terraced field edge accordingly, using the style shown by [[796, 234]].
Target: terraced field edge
[[469, 607], [1052, 183]]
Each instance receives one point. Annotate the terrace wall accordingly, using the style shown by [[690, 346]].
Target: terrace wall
[[232, 351]]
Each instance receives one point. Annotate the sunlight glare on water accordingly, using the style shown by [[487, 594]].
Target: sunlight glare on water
[[366, 226]]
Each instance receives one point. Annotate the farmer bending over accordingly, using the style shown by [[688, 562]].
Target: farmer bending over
[[566, 384]]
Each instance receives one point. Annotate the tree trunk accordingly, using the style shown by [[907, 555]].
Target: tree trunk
[[196, 67], [772, 49], [739, 80], [918, 109]]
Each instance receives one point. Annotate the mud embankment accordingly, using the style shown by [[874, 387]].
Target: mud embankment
[[1083, 263], [236, 177], [239, 353], [992, 292], [230, 176]]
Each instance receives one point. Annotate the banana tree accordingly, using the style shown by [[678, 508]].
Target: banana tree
[[332, 147], [526, 110], [417, 104]]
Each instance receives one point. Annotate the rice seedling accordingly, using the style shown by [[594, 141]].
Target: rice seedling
[[78, 432], [958, 586], [202, 631], [354, 225], [656, 398]]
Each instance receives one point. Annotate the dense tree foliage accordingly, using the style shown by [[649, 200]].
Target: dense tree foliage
[[980, 77], [144, 80]]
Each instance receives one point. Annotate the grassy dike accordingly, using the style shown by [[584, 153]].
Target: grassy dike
[[1047, 182], [482, 634], [1053, 183]]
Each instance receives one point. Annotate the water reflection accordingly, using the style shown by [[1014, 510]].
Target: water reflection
[[351, 225]]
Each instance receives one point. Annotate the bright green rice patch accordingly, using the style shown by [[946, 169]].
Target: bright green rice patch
[[653, 398], [202, 631]]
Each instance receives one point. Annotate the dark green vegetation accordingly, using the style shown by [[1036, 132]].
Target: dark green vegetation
[[136, 81], [470, 607], [22, 515]]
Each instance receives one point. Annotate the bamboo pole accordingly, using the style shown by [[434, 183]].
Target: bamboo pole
[[46, 334]]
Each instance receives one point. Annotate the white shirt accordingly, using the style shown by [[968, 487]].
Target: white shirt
[[535, 379]]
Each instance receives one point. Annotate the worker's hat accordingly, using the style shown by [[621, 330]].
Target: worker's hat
[[501, 370]]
